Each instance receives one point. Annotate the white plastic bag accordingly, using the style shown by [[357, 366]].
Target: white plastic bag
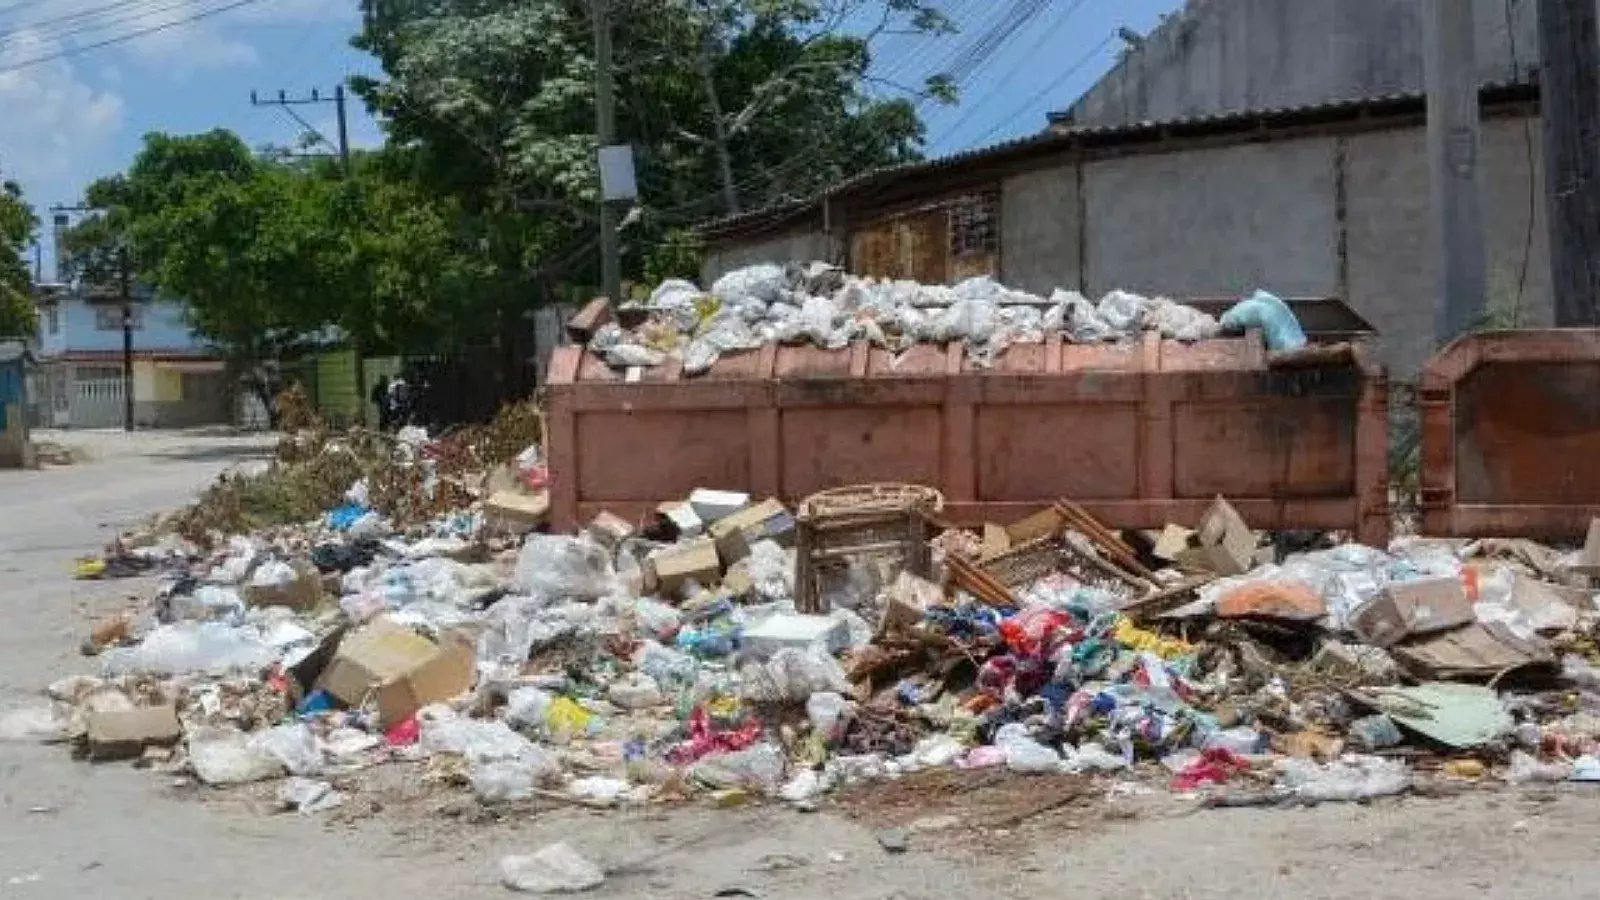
[[792, 676], [827, 710], [293, 745], [626, 356], [1525, 769], [635, 691], [223, 758], [502, 780], [556, 567], [557, 869], [1024, 754], [32, 725], [760, 767], [1351, 777], [184, 647], [307, 796], [765, 282]]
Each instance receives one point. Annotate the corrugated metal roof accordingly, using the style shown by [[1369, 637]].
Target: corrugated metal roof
[[1059, 137]]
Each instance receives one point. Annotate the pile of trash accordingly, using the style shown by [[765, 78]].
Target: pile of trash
[[819, 303], [696, 653]]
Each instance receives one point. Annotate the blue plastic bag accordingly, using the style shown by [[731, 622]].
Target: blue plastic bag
[[1270, 314]]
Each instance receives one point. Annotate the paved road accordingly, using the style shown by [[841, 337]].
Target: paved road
[[71, 830]]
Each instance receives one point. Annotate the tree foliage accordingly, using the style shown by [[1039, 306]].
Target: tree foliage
[[17, 226]]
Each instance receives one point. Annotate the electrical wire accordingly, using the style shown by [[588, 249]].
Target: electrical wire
[[85, 19], [124, 38], [1055, 83], [982, 103]]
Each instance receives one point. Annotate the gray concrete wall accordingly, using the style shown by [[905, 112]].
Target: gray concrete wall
[[1040, 224], [1214, 222], [1392, 258], [782, 247], [1219, 56]]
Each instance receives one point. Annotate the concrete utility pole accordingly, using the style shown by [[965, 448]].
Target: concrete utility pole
[[1569, 104], [1453, 157], [605, 114], [286, 103], [125, 293]]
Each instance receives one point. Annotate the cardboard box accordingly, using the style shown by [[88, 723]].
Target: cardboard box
[[302, 594], [401, 669], [124, 734], [711, 505], [610, 530], [673, 567], [516, 510], [768, 520], [794, 632], [1223, 542], [681, 520], [1046, 522], [1410, 608], [1172, 542], [996, 540]]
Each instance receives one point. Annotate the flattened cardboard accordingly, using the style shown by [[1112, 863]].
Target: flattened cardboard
[[609, 530], [124, 734], [1589, 563], [1047, 522], [1172, 542], [673, 567], [516, 510], [768, 520], [1473, 651], [996, 540], [1405, 609], [302, 594], [1224, 542]]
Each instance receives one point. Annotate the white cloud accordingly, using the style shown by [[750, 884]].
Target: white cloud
[[53, 119]]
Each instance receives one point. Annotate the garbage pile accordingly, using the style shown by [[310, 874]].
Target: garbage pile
[[819, 303], [709, 650]]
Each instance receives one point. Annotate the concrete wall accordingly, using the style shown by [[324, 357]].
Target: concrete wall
[[1230, 55], [1214, 222], [781, 247], [1040, 230]]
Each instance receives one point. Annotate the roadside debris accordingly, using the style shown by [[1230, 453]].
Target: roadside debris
[[736, 650]]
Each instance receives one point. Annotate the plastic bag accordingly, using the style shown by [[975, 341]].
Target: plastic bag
[[635, 691], [1352, 777], [818, 318], [557, 869], [827, 712], [221, 758], [32, 724], [555, 567], [760, 767], [627, 356], [565, 719], [307, 796], [1265, 311], [273, 573], [936, 751], [1123, 313], [1093, 758], [526, 707], [1024, 754], [604, 790], [792, 676], [771, 570], [186, 647], [478, 741], [1526, 768], [1180, 322], [293, 745], [765, 282], [502, 780], [668, 667]]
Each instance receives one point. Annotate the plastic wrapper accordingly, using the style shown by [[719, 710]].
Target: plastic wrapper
[[1351, 777], [635, 691], [792, 676], [666, 666], [936, 751], [626, 356], [557, 869], [187, 647], [1093, 758], [307, 796], [502, 781], [828, 711], [221, 758], [1024, 754], [760, 767], [555, 567], [1180, 322], [771, 569], [479, 741], [807, 784], [1526, 768], [273, 573], [293, 745], [1124, 313], [766, 282], [818, 323]]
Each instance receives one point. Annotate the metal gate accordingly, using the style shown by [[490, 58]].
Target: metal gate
[[97, 393]]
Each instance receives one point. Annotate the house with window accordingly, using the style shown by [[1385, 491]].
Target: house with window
[[79, 379]]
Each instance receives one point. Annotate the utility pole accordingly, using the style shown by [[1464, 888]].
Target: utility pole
[[1569, 105], [1453, 159], [125, 293], [606, 131], [287, 103]]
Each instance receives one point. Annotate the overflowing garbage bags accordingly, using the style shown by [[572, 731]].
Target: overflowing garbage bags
[[703, 651], [821, 305]]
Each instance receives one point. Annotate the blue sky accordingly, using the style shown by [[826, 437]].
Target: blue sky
[[65, 121]]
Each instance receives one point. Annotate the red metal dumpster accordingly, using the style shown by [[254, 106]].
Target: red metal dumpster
[[1511, 435], [1140, 434]]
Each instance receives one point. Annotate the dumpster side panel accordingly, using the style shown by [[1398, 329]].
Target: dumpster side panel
[[1511, 429], [1085, 451], [1265, 448], [665, 454], [829, 447]]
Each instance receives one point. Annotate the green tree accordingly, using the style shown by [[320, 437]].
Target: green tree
[[17, 227]]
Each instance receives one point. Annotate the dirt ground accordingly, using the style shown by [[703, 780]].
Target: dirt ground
[[69, 829]]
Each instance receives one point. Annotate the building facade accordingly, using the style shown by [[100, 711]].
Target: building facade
[[1330, 200], [1227, 56], [78, 382]]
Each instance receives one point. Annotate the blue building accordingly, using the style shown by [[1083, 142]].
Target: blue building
[[177, 380]]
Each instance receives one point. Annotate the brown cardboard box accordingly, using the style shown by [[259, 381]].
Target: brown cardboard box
[[1224, 543], [996, 540], [403, 670], [673, 567], [1172, 542], [768, 520], [1044, 523], [302, 594], [516, 510], [609, 530], [1410, 608], [124, 734]]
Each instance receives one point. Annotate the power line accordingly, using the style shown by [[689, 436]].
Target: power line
[[1057, 82], [85, 18], [124, 38], [1045, 34]]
